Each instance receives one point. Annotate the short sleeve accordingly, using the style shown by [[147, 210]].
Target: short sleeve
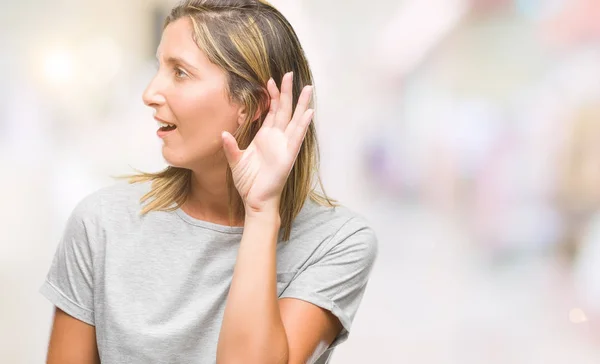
[[336, 281], [69, 284]]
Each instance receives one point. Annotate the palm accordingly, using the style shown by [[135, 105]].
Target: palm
[[263, 166], [260, 171]]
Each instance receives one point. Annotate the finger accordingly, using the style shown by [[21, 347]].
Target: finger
[[274, 93], [232, 151], [296, 139], [301, 107], [273, 103], [284, 110]]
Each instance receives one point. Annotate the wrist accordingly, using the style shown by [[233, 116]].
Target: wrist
[[262, 208], [266, 212]]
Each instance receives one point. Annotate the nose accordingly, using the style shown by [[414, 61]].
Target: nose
[[153, 95]]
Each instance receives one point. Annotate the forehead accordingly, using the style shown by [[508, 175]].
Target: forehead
[[177, 41]]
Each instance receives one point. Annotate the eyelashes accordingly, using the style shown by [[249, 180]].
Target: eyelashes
[[179, 73]]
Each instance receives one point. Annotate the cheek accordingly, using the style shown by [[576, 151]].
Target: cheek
[[188, 108], [204, 114]]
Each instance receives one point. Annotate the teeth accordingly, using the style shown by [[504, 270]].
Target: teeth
[[164, 125]]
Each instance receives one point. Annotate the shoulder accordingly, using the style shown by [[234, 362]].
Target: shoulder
[[114, 201], [336, 219], [339, 227]]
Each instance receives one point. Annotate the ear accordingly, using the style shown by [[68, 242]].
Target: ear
[[243, 115]]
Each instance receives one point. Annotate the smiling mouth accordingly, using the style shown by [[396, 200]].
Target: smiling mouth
[[166, 126]]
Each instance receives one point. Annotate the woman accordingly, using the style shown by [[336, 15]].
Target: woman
[[229, 255]]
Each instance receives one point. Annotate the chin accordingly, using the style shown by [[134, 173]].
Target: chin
[[183, 159], [175, 158]]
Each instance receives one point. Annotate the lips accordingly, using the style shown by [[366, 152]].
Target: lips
[[165, 126]]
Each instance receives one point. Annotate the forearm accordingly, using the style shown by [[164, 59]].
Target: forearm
[[252, 330]]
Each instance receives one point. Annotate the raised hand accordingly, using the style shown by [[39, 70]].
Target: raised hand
[[260, 171]]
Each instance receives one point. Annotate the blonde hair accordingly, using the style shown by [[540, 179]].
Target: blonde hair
[[252, 42]]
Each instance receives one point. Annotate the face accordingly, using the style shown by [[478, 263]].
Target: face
[[190, 93]]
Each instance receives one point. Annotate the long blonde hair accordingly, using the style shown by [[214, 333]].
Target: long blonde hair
[[252, 42]]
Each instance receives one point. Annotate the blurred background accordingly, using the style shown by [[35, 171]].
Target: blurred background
[[467, 132]]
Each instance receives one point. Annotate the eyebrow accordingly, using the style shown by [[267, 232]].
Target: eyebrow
[[172, 60]]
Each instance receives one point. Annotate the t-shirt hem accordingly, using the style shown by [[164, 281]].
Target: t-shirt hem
[[329, 305], [61, 301]]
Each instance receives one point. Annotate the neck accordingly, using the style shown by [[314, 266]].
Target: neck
[[209, 195]]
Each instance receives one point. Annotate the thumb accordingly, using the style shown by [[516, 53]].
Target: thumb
[[230, 146]]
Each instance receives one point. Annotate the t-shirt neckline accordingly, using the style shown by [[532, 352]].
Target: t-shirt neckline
[[208, 225]]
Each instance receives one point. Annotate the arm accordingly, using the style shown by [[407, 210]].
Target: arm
[[257, 328], [310, 329], [252, 330], [72, 341], [69, 286]]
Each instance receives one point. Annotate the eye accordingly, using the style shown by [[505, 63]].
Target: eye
[[179, 73]]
